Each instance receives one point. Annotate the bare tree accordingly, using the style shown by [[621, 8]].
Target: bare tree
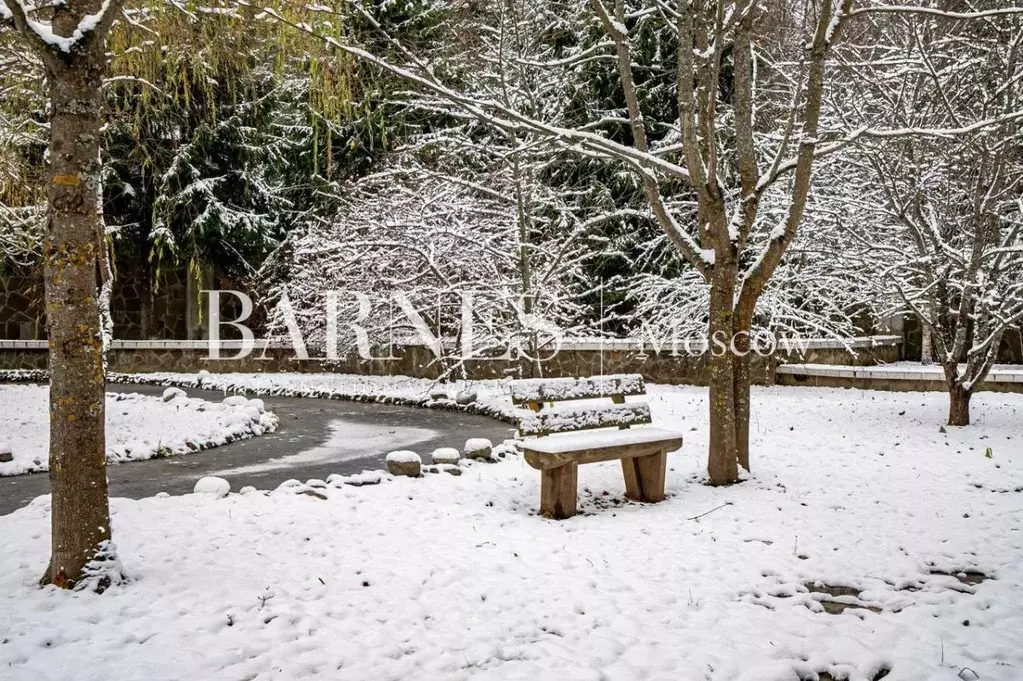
[[70, 39], [947, 239]]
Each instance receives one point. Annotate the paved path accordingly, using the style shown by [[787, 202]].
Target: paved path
[[315, 438]]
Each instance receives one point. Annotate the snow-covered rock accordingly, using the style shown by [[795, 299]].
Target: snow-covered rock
[[357, 480], [236, 401], [173, 393], [466, 397], [446, 455], [479, 448], [248, 489], [218, 487], [6, 453], [404, 462]]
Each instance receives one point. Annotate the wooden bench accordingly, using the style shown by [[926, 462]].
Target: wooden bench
[[642, 451]]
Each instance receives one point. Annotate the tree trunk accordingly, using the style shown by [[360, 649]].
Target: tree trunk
[[959, 406], [926, 343], [722, 457], [80, 513], [742, 379]]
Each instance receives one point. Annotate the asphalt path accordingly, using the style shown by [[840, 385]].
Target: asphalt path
[[315, 439]]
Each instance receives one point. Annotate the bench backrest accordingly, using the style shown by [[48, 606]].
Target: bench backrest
[[542, 395]]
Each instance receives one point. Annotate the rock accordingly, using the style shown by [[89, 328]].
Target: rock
[[364, 478], [438, 394], [218, 487], [446, 455], [6, 453], [173, 394], [162, 495], [465, 397], [454, 470], [479, 448], [291, 486], [236, 401], [248, 489], [404, 462]]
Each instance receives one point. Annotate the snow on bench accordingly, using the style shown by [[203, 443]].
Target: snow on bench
[[538, 390], [572, 418], [642, 451]]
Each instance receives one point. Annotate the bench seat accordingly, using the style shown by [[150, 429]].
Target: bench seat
[[593, 447]]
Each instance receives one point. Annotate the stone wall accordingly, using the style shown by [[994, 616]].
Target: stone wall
[[22, 314], [142, 311], [587, 359], [139, 310]]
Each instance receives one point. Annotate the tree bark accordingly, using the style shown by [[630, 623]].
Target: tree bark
[[742, 378], [959, 406], [80, 514], [722, 456], [926, 343]]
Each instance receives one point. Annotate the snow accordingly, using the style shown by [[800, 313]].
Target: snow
[[138, 426], [455, 578], [45, 31], [383, 389], [1000, 373], [580, 417], [218, 487], [556, 389], [558, 444], [403, 456]]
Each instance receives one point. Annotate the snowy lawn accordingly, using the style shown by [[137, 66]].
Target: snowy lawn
[[138, 426], [449, 577]]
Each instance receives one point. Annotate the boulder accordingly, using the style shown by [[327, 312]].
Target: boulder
[[173, 394], [446, 455], [404, 462], [479, 448], [217, 487], [6, 454], [465, 397]]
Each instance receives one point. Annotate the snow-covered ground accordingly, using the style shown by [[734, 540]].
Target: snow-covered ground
[[448, 577], [138, 426]]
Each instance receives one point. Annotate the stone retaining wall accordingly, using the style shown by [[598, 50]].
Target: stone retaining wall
[[578, 359]]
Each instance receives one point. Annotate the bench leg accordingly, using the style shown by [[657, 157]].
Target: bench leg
[[558, 491], [644, 477]]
